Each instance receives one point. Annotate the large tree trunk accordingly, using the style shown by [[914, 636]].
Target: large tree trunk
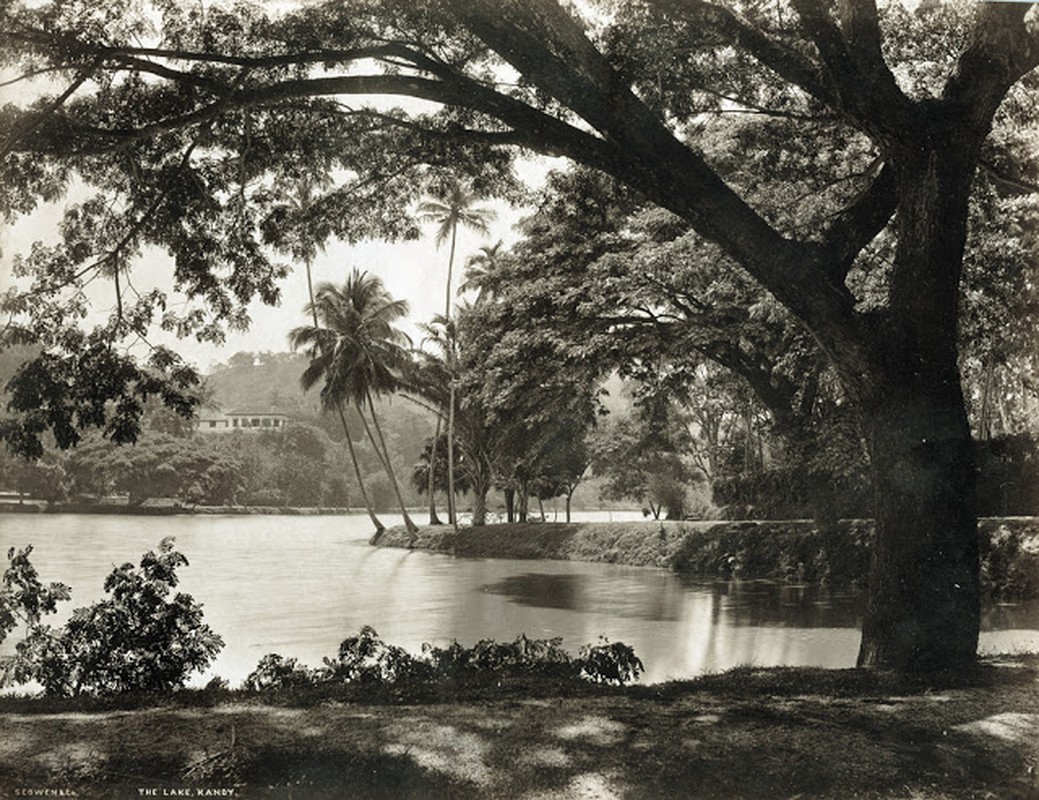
[[480, 505], [923, 609], [510, 504]]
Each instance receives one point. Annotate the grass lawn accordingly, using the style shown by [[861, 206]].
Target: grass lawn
[[747, 733]]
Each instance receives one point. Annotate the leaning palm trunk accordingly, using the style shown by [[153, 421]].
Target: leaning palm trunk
[[379, 527], [384, 456]]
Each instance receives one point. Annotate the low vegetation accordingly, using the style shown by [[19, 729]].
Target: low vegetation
[[782, 550], [365, 661], [143, 640]]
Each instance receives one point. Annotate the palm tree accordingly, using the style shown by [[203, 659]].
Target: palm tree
[[294, 212], [428, 380], [453, 208], [480, 272], [433, 370], [358, 353]]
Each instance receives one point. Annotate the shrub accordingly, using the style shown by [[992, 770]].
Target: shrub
[[609, 662], [366, 660], [275, 672], [140, 639], [1009, 559], [24, 601]]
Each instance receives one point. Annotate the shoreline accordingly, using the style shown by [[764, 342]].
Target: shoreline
[[792, 551]]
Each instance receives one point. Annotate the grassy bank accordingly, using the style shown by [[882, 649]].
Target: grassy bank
[[747, 733], [793, 550]]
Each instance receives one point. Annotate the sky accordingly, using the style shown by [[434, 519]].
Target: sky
[[413, 271]]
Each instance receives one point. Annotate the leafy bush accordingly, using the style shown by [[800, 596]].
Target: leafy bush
[[365, 659], [276, 672], [1009, 559], [610, 662], [140, 639], [1008, 478], [24, 601]]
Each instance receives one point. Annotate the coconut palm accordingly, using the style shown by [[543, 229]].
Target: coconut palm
[[358, 353], [427, 385], [480, 269], [453, 208], [293, 214]]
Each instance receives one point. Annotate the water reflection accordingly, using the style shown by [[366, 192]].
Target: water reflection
[[542, 591], [663, 597], [299, 585]]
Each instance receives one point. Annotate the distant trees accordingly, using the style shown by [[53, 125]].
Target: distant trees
[[454, 207], [296, 467], [645, 458]]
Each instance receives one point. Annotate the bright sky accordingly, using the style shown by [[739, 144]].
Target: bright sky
[[412, 271]]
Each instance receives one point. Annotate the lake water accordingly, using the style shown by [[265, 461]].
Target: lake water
[[299, 585]]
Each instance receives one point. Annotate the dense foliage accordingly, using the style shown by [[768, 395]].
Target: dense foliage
[[142, 638], [365, 659]]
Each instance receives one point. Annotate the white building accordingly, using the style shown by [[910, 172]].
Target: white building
[[220, 422]]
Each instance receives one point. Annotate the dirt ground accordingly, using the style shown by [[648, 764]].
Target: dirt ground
[[748, 733]]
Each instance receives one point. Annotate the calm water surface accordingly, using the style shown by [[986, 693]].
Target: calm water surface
[[299, 585]]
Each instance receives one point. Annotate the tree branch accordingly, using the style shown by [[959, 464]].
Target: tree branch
[[859, 223], [34, 121], [864, 87], [786, 63], [1002, 50]]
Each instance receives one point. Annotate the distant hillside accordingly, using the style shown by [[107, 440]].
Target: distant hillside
[[270, 382], [263, 382]]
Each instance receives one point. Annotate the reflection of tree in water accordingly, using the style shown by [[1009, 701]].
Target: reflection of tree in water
[[722, 606], [541, 590], [764, 603], [1023, 615], [657, 598]]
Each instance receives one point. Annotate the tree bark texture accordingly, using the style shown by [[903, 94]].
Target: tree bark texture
[[923, 606]]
